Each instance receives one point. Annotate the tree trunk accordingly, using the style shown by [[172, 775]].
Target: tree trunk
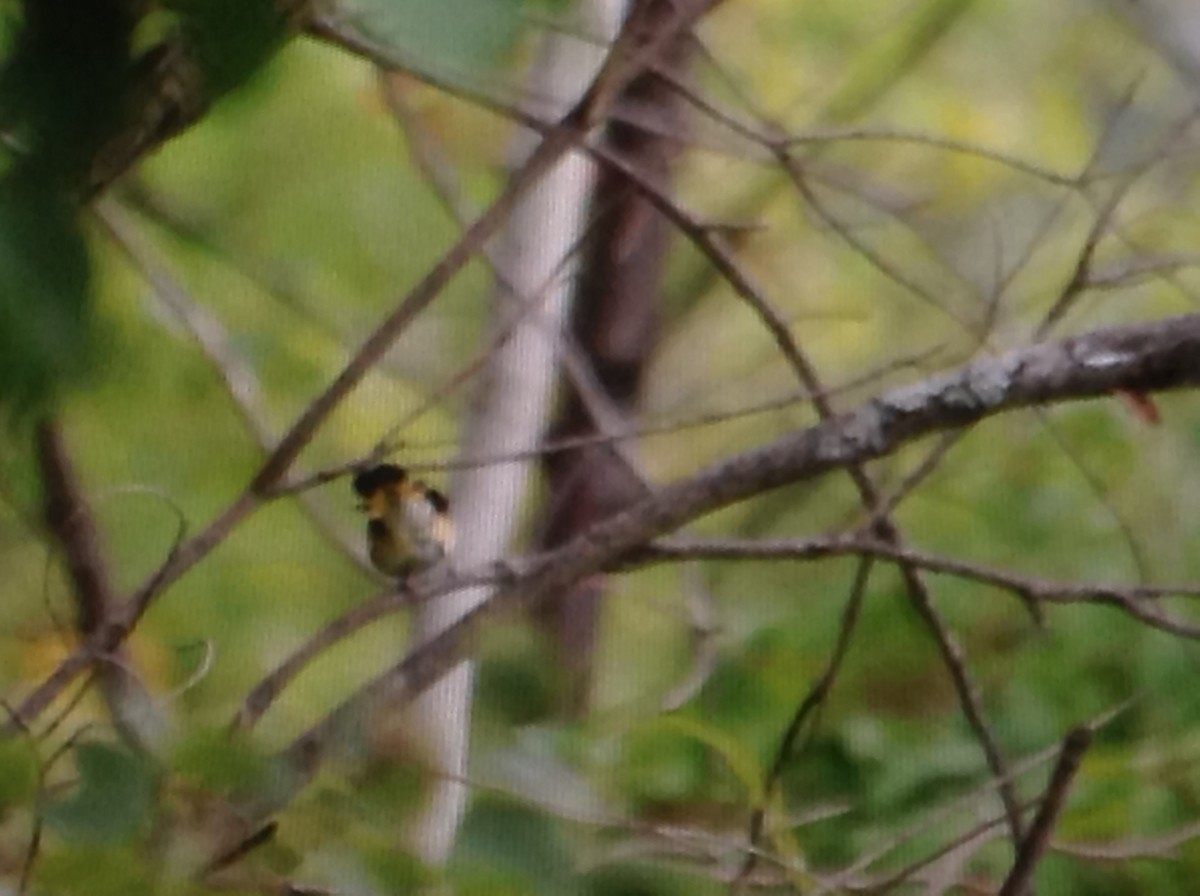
[[615, 322], [530, 301]]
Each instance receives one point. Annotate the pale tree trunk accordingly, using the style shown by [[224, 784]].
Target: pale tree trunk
[[531, 299]]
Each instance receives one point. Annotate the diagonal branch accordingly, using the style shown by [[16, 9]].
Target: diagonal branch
[[557, 140], [69, 519], [239, 378], [1149, 357]]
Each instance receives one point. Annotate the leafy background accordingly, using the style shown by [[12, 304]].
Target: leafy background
[[292, 213]]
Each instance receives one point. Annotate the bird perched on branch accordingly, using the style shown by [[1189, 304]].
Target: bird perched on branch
[[408, 523]]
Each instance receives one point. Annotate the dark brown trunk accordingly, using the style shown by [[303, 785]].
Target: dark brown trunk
[[615, 323]]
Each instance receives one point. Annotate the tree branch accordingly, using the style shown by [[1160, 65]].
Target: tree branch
[[557, 140], [1132, 599], [70, 521], [1150, 357]]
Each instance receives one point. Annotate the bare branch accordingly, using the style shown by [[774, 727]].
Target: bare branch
[[259, 837], [239, 378], [980, 832], [69, 518], [1019, 878], [1149, 357], [939, 816], [1146, 357], [1133, 599], [1163, 847], [418, 590], [667, 427], [557, 141], [703, 630], [808, 708]]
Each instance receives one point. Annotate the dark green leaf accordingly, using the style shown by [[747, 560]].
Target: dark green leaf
[[44, 289], [214, 761], [113, 800], [230, 39], [507, 848]]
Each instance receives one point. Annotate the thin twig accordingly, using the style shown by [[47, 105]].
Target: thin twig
[[557, 141], [239, 378], [1131, 598], [809, 706], [1163, 847], [416, 590], [1053, 801], [259, 837], [985, 827], [1147, 357], [971, 798], [667, 427]]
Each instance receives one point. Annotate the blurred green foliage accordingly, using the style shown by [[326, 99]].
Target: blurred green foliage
[[18, 771], [67, 85], [113, 799], [229, 39], [44, 290], [293, 214], [506, 848]]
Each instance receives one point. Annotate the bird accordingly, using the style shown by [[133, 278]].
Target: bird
[[408, 523]]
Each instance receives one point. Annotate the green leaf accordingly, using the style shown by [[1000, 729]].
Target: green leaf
[[394, 870], [737, 756], [115, 794], [215, 762], [18, 771], [387, 795], [660, 766], [516, 690], [44, 290], [469, 36], [230, 39], [91, 870], [507, 848]]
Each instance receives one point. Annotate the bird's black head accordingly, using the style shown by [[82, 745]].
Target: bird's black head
[[437, 500], [370, 481]]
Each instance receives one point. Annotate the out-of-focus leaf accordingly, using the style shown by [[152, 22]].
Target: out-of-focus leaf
[[388, 795], [660, 766], [230, 38], [507, 848], [464, 36], [113, 800], [737, 756], [884, 63], [516, 690], [90, 870], [18, 771], [626, 881], [215, 762], [61, 86], [396, 871], [44, 282]]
